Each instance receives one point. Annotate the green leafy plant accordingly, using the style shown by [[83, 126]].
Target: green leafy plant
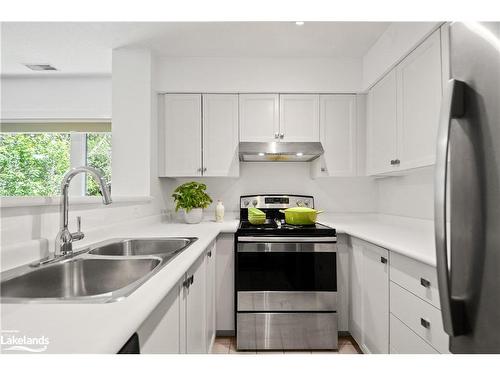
[[191, 195]]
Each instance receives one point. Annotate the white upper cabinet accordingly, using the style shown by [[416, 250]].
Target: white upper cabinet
[[180, 136], [220, 135], [259, 117], [299, 118], [419, 100], [382, 126], [198, 140], [403, 112], [338, 135]]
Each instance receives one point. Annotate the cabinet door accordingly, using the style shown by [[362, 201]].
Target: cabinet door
[[225, 284], [259, 117], [382, 126], [375, 299], [299, 118], [160, 332], [356, 291], [419, 101], [338, 136], [195, 309], [180, 136], [210, 296], [220, 135]]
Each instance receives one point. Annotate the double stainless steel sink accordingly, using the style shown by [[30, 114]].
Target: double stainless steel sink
[[104, 272]]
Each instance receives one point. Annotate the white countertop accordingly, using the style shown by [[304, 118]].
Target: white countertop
[[105, 327], [407, 236]]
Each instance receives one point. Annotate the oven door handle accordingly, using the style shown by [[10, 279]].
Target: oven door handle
[[286, 239]]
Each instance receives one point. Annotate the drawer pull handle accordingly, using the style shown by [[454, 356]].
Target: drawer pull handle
[[425, 323], [209, 253], [425, 283], [383, 260]]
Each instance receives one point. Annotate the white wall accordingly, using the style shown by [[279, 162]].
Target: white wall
[[132, 115], [409, 195], [395, 43], [204, 74], [336, 194], [56, 97], [21, 224]]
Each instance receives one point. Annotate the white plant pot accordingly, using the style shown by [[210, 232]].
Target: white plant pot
[[194, 216]]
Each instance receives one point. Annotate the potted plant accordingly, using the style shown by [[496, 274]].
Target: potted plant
[[192, 199]]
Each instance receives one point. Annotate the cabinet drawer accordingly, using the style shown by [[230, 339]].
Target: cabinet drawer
[[418, 278], [404, 341], [416, 313]]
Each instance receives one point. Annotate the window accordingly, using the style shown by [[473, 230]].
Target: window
[[34, 157]]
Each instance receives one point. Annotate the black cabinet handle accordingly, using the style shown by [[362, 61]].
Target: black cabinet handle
[[383, 260], [425, 283], [191, 280], [209, 254], [425, 323], [186, 283]]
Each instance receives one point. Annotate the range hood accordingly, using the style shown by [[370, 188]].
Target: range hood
[[280, 151]]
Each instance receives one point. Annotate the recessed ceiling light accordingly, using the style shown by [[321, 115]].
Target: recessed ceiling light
[[299, 154], [299, 23], [40, 67], [261, 154]]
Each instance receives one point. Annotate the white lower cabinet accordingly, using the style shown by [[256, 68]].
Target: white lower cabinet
[[404, 341], [369, 315], [224, 285], [184, 321], [421, 317], [210, 266], [193, 296], [393, 302], [161, 331]]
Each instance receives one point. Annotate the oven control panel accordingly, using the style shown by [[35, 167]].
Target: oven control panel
[[276, 201]]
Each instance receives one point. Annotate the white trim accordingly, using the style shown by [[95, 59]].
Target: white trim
[[44, 120], [9, 202]]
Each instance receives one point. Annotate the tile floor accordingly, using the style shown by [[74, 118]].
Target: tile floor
[[227, 345]]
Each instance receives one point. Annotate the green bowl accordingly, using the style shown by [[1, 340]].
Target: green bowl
[[256, 220]]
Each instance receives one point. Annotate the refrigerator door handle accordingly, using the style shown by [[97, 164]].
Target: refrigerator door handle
[[452, 107]]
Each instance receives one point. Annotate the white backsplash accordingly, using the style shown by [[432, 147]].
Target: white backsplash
[[334, 194], [410, 195]]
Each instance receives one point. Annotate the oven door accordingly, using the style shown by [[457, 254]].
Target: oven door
[[288, 268]]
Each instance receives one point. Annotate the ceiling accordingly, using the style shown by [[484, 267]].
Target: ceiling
[[85, 47]]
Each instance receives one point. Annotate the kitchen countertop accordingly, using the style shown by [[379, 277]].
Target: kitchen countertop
[[105, 327], [407, 236]]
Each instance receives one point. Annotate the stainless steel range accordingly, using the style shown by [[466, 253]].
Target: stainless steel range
[[286, 279]]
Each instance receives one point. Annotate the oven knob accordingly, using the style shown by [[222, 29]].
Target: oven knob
[[254, 202], [299, 203], [307, 203], [245, 203]]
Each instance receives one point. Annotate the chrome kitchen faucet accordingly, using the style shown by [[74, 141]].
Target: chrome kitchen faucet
[[64, 240]]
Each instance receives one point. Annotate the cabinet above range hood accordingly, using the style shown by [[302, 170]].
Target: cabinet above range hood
[[280, 151]]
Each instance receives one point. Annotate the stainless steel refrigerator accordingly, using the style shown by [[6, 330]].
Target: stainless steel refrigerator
[[467, 190]]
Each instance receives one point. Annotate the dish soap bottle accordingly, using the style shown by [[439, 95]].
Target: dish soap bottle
[[219, 212]]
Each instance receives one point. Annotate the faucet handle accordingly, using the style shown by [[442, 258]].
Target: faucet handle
[[78, 235]]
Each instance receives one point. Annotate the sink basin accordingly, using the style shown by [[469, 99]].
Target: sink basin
[[166, 247], [80, 278]]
